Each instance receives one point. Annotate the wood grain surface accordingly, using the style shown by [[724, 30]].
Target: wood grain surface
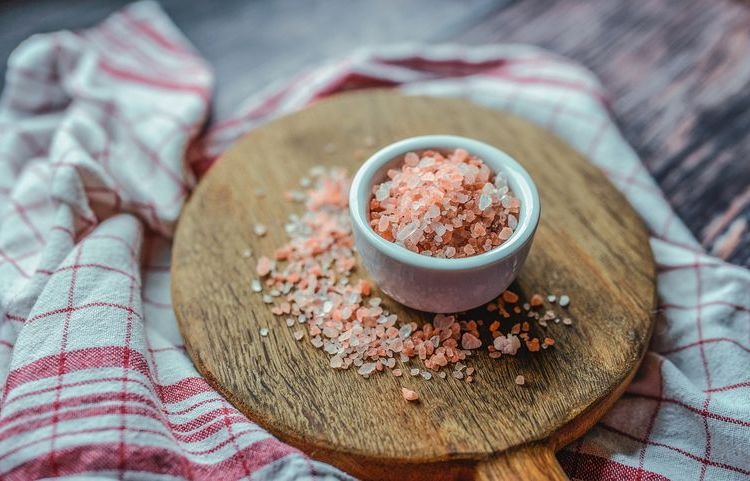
[[590, 244], [677, 72]]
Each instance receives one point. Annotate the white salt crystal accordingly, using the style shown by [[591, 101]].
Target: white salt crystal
[[432, 212], [484, 201], [405, 331], [512, 221], [255, 285], [264, 331], [366, 369], [336, 362], [260, 229], [414, 371], [564, 300], [426, 375], [383, 191], [407, 231], [505, 201]]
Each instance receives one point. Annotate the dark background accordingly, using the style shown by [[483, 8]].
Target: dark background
[[677, 72]]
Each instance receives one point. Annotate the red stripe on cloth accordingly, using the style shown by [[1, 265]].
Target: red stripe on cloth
[[702, 460], [587, 467], [700, 412], [197, 429], [160, 411], [161, 83], [102, 357], [154, 35], [149, 459], [730, 387]]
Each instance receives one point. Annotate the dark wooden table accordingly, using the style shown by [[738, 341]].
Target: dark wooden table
[[677, 71]]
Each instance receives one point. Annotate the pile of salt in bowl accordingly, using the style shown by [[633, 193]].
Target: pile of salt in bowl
[[309, 283], [444, 205]]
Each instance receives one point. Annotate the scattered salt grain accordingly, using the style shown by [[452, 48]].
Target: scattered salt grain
[[264, 331], [409, 395], [567, 321], [247, 253], [260, 229], [551, 298], [520, 380], [367, 368], [309, 279], [564, 301], [264, 266]]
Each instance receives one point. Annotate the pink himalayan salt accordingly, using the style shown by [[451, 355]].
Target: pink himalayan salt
[[469, 341], [264, 266], [312, 283], [409, 395], [444, 205]]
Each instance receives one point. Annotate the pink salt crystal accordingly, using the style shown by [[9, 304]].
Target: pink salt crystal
[[409, 395], [507, 345], [397, 372], [436, 203], [505, 233], [264, 266], [469, 341]]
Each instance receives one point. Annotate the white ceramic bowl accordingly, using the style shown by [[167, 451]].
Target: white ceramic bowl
[[434, 284]]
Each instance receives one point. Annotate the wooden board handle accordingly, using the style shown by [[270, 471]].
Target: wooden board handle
[[534, 462]]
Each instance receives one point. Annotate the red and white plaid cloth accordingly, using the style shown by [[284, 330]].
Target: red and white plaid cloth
[[94, 134]]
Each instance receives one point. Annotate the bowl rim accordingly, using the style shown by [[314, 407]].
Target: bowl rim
[[518, 179]]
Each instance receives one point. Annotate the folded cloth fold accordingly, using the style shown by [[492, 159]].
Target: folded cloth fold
[[99, 148]]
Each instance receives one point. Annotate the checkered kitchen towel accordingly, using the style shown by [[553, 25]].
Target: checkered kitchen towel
[[95, 130]]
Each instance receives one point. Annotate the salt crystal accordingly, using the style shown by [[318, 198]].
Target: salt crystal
[[247, 253], [520, 380], [289, 321], [469, 341], [564, 301], [255, 285], [414, 372], [567, 321], [298, 335], [426, 375], [484, 202], [264, 331], [551, 298], [367, 368], [409, 395], [432, 194], [260, 230], [267, 299], [336, 362]]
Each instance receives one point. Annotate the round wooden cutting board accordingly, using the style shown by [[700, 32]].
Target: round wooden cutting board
[[590, 245]]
